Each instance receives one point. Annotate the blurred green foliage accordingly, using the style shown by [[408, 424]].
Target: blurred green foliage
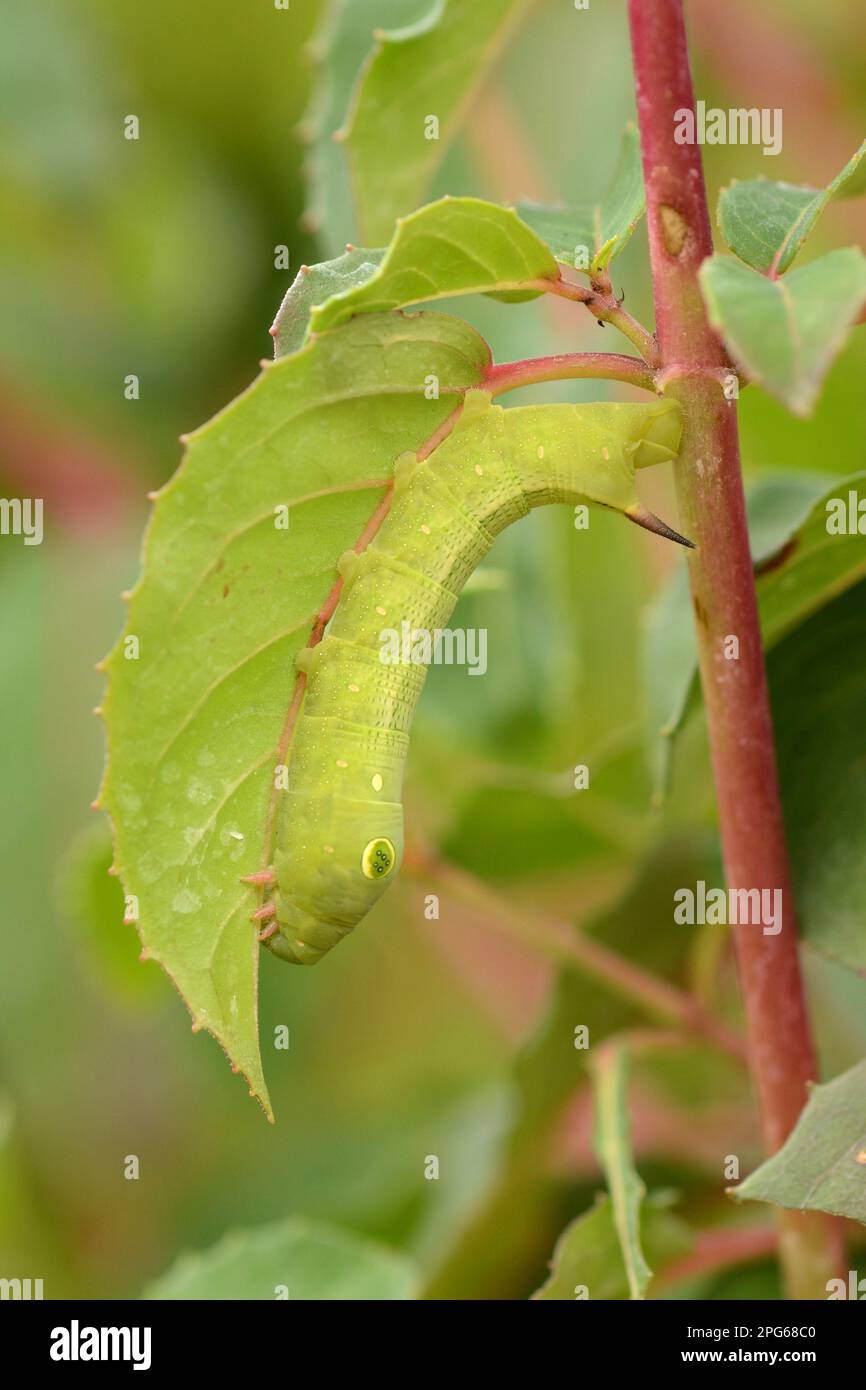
[[157, 258]]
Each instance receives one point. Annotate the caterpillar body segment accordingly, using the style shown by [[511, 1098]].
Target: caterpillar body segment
[[339, 826]]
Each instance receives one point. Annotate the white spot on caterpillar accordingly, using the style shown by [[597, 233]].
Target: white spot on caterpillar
[[541, 451], [380, 610], [425, 530], [479, 470], [605, 453], [354, 688], [341, 762], [376, 781], [329, 849]]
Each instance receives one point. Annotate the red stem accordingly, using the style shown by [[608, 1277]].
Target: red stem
[[710, 493], [505, 376]]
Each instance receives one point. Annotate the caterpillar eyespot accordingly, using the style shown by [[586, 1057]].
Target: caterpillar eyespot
[[378, 858], [336, 845]]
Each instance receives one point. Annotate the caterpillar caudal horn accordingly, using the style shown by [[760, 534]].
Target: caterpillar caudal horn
[[650, 522], [339, 825]]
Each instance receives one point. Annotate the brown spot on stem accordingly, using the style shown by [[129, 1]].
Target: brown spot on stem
[[674, 229]]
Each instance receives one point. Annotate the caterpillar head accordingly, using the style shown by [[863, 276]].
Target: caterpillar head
[[334, 859]]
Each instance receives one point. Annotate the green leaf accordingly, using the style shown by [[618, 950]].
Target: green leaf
[[429, 69], [785, 333], [766, 224], [195, 710], [810, 566], [797, 573], [670, 661], [314, 285], [822, 1166], [342, 49], [612, 1143], [298, 1260], [595, 232], [454, 246], [588, 1259], [818, 684]]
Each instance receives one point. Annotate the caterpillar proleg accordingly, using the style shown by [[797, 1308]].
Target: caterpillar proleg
[[339, 827]]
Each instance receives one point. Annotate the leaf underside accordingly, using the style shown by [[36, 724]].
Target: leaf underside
[[195, 713], [315, 285], [785, 333]]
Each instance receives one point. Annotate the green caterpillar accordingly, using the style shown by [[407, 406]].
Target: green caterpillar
[[339, 829]]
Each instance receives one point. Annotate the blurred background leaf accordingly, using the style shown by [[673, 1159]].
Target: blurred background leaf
[[588, 1259], [818, 685], [290, 1260]]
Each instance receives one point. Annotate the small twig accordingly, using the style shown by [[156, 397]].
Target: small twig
[[605, 308]]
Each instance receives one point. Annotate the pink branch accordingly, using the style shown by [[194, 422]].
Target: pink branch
[[505, 376], [712, 510]]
